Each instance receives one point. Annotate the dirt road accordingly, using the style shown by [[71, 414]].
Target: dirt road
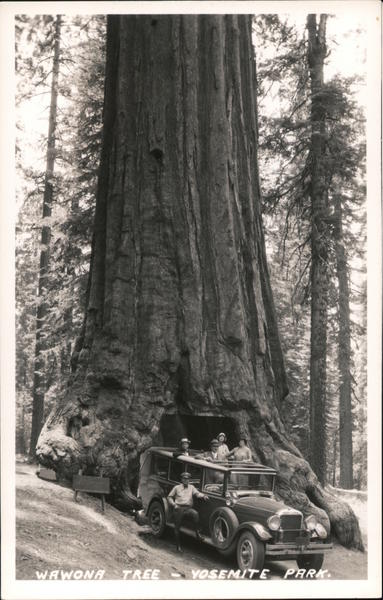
[[54, 533]]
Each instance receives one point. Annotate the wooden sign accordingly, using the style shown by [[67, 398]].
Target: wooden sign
[[48, 474], [92, 485]]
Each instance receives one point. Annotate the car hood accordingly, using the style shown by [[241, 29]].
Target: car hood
[[267, 506]]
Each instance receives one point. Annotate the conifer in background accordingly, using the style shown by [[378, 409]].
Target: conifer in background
[[42, 307]]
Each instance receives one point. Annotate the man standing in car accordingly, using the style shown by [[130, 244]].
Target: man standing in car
[[183, 448], [212, 454], [181, 499]]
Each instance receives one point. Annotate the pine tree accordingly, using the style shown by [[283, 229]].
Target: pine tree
[[285, 153], [42, 308], [78, 137], [316, 53]]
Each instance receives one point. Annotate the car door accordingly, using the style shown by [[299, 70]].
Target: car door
[[157, 481], [213, 487]]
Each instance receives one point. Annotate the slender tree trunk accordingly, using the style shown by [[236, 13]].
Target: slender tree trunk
[[334, 460], [344, 355], [42, 308], [20, 432], [319, 247], [180, 316]]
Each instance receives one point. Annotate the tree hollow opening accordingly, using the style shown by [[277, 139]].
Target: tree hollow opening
[[200, 429]]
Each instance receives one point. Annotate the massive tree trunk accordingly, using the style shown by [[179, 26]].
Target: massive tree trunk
[[316, 52], [42, 308], [180, 317], [344, 355]]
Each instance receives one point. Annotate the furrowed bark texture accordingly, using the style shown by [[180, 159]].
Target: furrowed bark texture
[[316, 53], [180, 314], [344, 355], [42, 309]]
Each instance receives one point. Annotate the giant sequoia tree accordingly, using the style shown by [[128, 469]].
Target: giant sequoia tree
[[180, 317]]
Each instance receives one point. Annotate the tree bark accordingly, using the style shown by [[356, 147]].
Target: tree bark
[[180, 317], [344, 355], [42, 308], [334, 449], [316, 52]]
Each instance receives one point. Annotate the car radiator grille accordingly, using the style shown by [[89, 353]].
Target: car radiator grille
[[291, 522], [290, 536]]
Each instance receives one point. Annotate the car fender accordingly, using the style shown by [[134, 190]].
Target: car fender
[[164, 503], [259, 530]]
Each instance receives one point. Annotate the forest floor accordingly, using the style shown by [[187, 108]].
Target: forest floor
[[54, 532]]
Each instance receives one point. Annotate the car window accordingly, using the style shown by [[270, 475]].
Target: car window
[[178, 467], [250, 481], [160, 466], [213, 481]]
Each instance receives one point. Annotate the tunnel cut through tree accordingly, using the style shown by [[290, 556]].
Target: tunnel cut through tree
[[180, 316]]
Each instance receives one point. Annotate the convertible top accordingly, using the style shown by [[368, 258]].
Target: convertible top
[[225, 466]]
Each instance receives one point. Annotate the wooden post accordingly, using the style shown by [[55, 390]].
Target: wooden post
[[76, 492], [102, 495]]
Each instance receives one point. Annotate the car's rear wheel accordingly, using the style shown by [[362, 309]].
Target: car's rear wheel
[[310, 561], [250, 552], [156, 518]]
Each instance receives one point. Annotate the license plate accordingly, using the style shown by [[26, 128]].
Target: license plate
[[302, 541]]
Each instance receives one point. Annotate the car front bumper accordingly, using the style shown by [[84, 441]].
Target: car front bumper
[[295, 549]]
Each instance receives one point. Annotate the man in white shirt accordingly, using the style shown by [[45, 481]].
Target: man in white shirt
[[181, 499]]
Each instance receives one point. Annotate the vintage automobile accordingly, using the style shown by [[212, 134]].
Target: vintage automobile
[[242, 515]]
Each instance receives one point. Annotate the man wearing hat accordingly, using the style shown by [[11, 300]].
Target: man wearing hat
[[183, 448], [212, 454], [181, 499]]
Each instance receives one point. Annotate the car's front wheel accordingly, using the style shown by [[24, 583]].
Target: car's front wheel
[[156, 518], [310, 561], [250, 552]]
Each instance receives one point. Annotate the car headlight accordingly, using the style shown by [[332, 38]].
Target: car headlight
[[274, 522], [321, 531], [311, 522]]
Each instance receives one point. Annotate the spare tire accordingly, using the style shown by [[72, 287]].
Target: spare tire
[[223, 527]]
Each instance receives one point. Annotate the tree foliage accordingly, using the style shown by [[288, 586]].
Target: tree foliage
[[78, 137], [284, 123]]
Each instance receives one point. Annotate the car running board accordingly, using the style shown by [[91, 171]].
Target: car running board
[[191, 533]]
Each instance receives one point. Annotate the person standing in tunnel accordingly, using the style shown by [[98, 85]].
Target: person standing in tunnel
[[242, 452], [223, 450], [183, 448], [212, 454]]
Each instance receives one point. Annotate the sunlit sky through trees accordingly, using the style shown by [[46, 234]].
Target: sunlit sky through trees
[[346, 39], [347, 45]]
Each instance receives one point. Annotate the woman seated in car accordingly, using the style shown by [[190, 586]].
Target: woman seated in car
[[241, 453]]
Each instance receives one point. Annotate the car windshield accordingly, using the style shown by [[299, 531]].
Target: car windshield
[[250, 482]]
